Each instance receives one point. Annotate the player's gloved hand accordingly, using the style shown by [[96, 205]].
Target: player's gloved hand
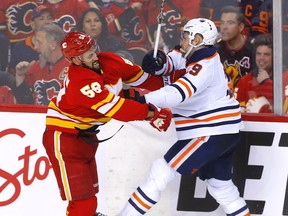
[[153, 65], [133, 94], [161, 119]]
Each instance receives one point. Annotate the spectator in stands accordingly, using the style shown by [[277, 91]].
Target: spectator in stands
[[235, 48], [126, 20], [254, 91], [67, 13], [175, 14], [211, 9], [15, 17], [93, 22], [38, 81], [24, 50], [258, 16]]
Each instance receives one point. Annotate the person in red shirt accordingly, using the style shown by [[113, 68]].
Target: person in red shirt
[[38, 81], [254, 91], [24, 50], [126, 20], [88, 99]]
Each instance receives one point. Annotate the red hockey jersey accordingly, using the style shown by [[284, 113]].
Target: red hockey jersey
[[88, 98]]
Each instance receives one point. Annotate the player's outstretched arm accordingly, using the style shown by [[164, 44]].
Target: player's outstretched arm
[[159, 118]]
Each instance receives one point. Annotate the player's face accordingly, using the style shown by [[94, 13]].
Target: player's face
[[184, 43], [264, 57], [90, 59], [229, 26], [92, 24]]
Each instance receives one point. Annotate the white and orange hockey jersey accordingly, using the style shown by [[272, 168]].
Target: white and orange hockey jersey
[[199, 100]]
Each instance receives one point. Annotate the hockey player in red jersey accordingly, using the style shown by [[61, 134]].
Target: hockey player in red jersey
[[207, 121], [89, 98]]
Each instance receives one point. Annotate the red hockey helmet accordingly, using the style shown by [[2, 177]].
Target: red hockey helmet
[[75, 44]]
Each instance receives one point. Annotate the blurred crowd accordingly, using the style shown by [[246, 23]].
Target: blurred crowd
[[33, 68]]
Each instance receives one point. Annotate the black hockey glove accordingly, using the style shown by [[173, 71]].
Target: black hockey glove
[[133, 94], [153, 66]]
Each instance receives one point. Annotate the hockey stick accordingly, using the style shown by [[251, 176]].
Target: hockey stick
[[160, 20]]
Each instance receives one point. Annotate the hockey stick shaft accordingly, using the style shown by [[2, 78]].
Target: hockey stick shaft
[[160, 20], [157, 40]]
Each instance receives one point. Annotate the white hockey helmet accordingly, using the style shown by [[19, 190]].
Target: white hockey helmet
[[202, 26]]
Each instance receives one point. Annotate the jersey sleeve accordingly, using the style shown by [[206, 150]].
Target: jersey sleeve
[[197, 78], [175, 61], [131, 74], [93, 95]]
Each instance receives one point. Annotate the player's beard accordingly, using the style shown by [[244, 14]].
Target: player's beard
[[95, 67]]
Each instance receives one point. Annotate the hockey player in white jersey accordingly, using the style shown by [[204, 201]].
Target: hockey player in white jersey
[[207, 121]]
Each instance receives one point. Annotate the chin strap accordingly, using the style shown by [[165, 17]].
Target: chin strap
[[190, 49]]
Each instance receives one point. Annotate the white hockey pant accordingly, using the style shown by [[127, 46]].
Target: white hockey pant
[[148, 194]]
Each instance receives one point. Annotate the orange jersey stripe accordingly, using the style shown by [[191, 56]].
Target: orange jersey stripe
[[208, 119], [210, 57], [186, 86], [174, 164]]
